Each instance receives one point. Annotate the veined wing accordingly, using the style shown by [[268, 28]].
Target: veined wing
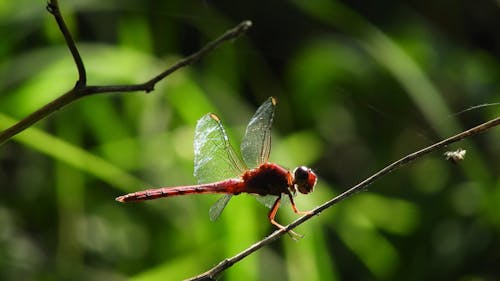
[[268, 200], [256, 144], [214, 158], [218, 207]]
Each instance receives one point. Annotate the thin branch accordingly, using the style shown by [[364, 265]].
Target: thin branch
[[149, 85], [81, 89], [53, 8], [225, 264], [38, 115]]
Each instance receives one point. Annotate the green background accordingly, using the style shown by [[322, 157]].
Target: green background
[[359, 85]]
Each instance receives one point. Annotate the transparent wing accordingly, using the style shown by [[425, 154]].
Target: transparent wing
[[256, 144], [267, 200], [218, 207], [214, 158]]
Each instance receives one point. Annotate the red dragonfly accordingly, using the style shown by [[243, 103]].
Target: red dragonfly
[[220, 170]]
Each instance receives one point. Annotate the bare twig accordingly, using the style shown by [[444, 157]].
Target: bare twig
[[223, 265], [81, 89], [53, 8]]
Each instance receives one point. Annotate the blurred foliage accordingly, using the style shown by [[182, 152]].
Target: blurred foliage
[[359, 85]]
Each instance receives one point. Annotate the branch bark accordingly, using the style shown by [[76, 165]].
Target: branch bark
[[226, 263], [53, 8], [81, 89]]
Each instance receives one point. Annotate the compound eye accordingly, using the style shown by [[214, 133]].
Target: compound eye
[[305, 179]]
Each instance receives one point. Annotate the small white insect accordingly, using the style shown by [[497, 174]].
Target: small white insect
[[455, 156]]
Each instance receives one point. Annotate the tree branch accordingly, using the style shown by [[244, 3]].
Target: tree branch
[[226, 263], [81, 89], [53, 8]]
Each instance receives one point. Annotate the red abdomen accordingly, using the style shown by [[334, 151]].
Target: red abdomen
[[233, 186]]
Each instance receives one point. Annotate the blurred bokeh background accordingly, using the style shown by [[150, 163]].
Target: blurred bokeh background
[[359, 85]]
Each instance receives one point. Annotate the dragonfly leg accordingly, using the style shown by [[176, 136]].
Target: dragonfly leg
[[295, 207], [272, 214]]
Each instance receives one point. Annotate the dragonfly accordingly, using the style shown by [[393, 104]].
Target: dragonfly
[[219, 169]]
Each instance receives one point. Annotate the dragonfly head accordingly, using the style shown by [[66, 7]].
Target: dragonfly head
[[304, 179]]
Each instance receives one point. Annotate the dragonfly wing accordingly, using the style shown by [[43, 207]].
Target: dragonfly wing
[[214, 158], [267, 200], [218, 207], [256, 144]]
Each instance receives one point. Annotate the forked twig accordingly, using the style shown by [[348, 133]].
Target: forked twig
[[226, 263], [81, 89], [53, 8]]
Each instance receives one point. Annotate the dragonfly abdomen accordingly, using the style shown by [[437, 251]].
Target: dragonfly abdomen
[[226, 186]]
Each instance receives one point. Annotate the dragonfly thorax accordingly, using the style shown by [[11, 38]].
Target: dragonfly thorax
[[267, 179], [304, 179]]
